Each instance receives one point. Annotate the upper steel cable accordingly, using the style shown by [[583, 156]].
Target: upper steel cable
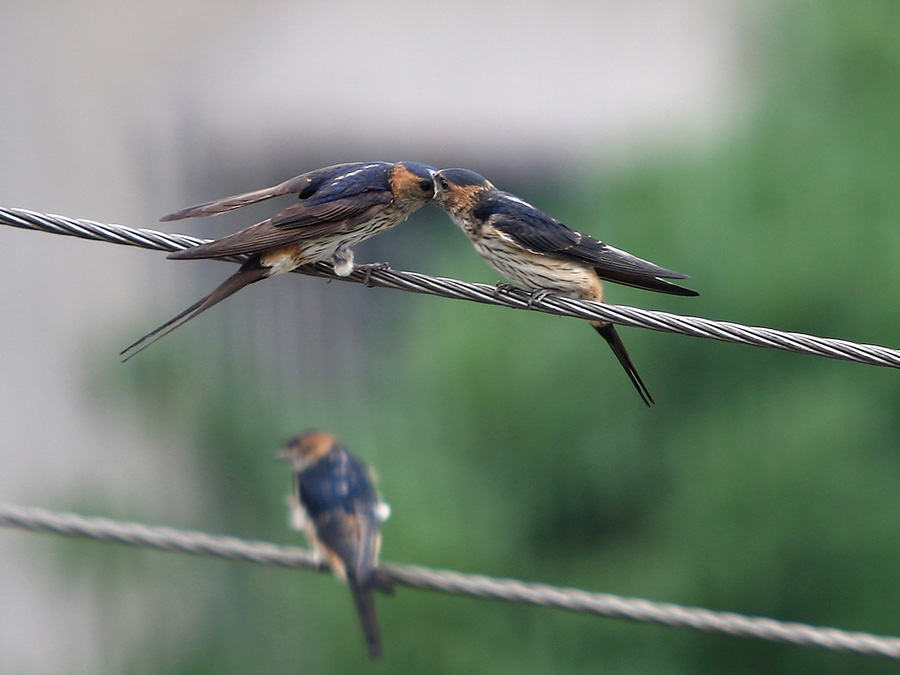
[[724, 331]]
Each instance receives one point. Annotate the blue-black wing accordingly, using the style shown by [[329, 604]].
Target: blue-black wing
[[537, 232], [339, 497], [304, 185], [334, 200]]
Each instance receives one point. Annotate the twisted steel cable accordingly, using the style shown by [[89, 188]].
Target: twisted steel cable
[[724, 331], [455, 583]]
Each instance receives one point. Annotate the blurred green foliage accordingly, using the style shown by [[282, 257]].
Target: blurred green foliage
[[511, 443]]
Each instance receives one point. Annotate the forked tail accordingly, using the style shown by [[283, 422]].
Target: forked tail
[[609, 333], [250, 272], [364, 599]]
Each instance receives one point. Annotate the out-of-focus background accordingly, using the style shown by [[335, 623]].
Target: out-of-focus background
[[754, 145]]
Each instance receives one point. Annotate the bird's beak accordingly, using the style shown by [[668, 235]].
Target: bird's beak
[[282, 455]]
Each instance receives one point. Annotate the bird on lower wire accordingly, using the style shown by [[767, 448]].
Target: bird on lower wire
[[334, 500]]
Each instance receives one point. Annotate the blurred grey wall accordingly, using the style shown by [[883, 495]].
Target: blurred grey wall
[[121, 112]]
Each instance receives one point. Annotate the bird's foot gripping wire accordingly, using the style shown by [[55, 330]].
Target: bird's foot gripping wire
[[369, 268], [503, 287], [538, 294]]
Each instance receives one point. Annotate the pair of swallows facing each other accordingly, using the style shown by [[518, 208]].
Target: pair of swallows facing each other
[[343, 205]]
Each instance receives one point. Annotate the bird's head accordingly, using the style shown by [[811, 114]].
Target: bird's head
[[457, 190], [412, 182], [306, 448]]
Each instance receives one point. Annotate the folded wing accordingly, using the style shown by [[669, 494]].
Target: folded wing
[[537, 232]]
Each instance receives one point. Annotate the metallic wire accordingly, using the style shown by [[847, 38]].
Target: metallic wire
[[476, 586], [451, 288]]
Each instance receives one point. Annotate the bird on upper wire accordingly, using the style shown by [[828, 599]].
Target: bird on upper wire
[[339, 207], [545, 256], [334, 500]]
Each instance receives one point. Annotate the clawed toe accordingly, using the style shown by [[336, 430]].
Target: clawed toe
[[538, 295], [367, 279], [503, 287]]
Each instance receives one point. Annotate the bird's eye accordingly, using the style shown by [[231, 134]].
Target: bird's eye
[[444, 185], [426, 185]]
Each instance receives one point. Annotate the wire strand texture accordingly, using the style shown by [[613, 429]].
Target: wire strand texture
[[455, 583], [724, 331]]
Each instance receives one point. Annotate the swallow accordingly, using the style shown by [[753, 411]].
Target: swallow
[[339, 207], [334, 500], [545, 256]]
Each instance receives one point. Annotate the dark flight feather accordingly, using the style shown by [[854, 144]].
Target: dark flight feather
[[295, 224], [304, 185], [537, 232], [250, 272], [611, 335]]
